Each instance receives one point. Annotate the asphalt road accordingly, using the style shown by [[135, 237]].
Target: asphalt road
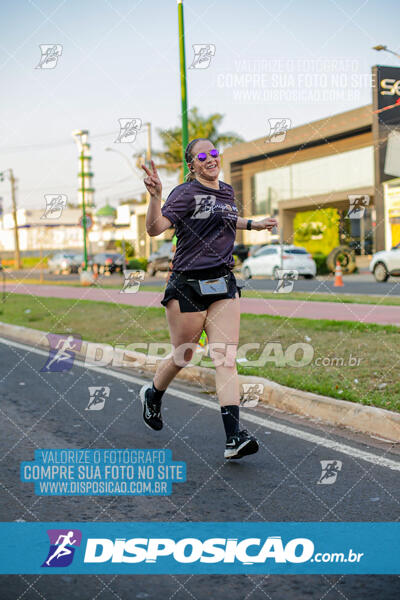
[[47, 410], [362, 283], [353, 284]]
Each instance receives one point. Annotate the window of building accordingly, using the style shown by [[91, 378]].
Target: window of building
[[342, 171]]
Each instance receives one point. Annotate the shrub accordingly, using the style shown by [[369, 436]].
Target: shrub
[[320, 261], [28, 262], [317, 230], [138, 263]]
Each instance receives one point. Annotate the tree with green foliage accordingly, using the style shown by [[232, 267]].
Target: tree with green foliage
[[129, 249]]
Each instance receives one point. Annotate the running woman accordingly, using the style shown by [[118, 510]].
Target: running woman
[[201, 292]]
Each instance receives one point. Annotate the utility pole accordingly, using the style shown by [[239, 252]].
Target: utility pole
[[182, 61], [148, 159], [42, 235], [14, 211], [17, 254], [148, 149], [82, 174]]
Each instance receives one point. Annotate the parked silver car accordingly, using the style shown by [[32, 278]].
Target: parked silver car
[[64, 262]]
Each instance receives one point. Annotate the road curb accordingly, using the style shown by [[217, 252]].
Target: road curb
[[366, 419]]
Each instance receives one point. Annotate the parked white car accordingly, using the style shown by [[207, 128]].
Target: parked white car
[[267, 261], [385, 263]]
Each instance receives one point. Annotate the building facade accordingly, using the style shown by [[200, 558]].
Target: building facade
[[37, 234], [309, 176], [315, 167]]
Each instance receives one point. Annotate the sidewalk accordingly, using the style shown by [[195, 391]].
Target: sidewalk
[[337, 311]]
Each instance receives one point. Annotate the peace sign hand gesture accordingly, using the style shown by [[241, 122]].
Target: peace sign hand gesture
[[152, 181]]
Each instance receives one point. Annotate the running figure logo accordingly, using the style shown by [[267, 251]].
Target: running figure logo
[[358, 205], [128, 129], [203, 54], [62, 352], [330, 470], [204, 206], [286, 278], [98, 396], [132, 281], [62, 547], [50, 55], [277, 129], [55, 204]]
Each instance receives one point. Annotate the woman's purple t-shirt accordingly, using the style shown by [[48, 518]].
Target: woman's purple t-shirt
[[205, 225]]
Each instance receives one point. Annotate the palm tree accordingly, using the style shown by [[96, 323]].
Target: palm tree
[[199, 127]]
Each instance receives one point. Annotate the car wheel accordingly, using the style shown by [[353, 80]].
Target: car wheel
[[247, 273], [309, 276], [380, 273]]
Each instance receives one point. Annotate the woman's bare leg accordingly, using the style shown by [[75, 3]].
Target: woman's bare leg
[[222, 326], [184, 328]]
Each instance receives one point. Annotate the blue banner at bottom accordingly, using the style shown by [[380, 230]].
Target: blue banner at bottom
[[198, 547]]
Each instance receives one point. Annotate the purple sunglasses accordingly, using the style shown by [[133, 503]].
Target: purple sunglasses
[[203, 155]]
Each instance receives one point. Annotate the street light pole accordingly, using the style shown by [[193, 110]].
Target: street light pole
[[80, 136], [85, 258], [380, 47], [182, 62], [124, 157]]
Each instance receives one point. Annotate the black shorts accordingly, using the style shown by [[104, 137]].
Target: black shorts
[[187, 293]]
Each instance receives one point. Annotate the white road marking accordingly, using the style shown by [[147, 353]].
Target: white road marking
[[312, 438]]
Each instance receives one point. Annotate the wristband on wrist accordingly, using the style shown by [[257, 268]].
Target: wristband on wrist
[[249, 222]]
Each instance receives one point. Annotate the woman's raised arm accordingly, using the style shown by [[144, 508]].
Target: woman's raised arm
[[156, 223]]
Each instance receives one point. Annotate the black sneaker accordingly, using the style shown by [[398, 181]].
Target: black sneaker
[[240, 445], [151, 410]]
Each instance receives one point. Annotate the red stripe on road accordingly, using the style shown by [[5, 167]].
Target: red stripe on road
[[336, 311]]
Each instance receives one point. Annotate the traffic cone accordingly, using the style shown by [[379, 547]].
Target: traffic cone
[[338, 276]]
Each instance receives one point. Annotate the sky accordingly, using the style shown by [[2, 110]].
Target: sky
[[300, 60]]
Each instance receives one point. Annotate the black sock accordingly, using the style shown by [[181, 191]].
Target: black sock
[[230, 417], [156, 395]]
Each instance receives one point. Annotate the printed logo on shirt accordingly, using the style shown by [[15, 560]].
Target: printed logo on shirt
[[204, 206]]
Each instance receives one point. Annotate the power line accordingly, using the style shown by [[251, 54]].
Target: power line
[[49, 145], [61, 187]]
